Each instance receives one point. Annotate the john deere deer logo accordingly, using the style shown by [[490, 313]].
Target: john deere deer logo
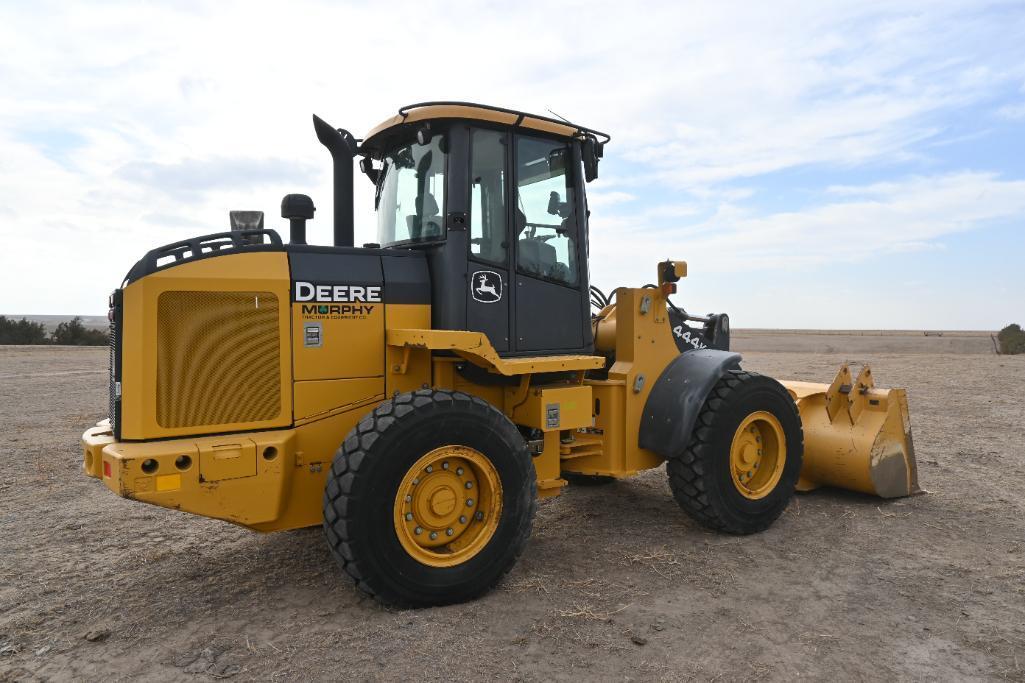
[[486, 286]]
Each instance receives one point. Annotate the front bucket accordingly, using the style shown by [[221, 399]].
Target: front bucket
[[856, 437]]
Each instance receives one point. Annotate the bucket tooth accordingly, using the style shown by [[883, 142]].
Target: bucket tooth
[[856, 436]]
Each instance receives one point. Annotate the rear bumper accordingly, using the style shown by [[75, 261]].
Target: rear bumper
[[241, 478]]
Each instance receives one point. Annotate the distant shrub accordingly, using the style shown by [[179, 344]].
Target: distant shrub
[[74, 333], [21, 331], [1012, 339]]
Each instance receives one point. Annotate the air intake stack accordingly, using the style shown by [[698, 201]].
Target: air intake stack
[[297, 208]]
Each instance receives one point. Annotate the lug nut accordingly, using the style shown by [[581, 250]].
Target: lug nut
[[479, 516], [409, 499], [409, 516], [462, 519], [415, 482], [459, 471], [469, 502], [449, 532], [444, 465], [418, 531], [430, 468], [434, 535], [469, 484]]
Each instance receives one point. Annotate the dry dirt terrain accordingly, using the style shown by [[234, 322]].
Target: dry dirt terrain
[[616, 583]]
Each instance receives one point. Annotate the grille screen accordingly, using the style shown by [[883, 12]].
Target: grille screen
[[218, 358], [112, 403]]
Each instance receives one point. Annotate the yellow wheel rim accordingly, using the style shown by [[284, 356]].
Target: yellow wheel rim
[[758, 454], [448, 506]]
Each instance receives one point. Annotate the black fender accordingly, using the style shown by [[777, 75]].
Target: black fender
[[677, 396]]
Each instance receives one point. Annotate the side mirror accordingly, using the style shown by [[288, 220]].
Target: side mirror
[[591, 151], [554, 203], [367, 166]]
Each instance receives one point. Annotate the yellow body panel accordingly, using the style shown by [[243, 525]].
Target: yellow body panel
[[349, 338], [547, 467], [316, 397], [637, 328], [141, 357], [555, 408], [475, 347], [407, 368], [233, 477], [249, 500]]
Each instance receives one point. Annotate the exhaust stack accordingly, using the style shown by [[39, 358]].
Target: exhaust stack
[[343, 148]]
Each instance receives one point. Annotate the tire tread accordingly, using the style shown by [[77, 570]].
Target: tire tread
[[356, 451]]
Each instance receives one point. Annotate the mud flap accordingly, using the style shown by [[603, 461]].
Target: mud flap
[[677, 397]]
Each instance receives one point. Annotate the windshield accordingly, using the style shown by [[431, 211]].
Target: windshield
[[412, 194]]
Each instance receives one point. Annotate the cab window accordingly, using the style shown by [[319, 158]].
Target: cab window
[[546, 231], [412, 194], [487, 195]]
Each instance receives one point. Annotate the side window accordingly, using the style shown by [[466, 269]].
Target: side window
[[487, 195], [412, 194], [546, 224]]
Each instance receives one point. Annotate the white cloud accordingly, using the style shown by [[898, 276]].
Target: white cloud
[[860, 223], [1013, 112], [601, 199]]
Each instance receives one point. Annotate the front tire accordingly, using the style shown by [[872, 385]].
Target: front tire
[[743, 460], [430, 499]]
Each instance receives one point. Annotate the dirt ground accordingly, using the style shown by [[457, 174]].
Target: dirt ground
[[616, 583]]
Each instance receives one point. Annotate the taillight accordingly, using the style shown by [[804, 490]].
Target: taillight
[[106, 469]]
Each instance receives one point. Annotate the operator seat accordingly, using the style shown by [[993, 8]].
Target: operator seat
[[426, 222], [534, 256]]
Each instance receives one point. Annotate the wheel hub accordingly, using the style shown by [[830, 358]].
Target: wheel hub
[[757, 454], [448, 505]]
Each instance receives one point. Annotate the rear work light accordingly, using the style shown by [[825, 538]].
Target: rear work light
[[106, 469]]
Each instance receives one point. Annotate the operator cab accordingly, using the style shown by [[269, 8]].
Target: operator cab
[[496, 201]]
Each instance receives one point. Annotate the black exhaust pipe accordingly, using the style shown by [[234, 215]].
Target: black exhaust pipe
[[343, 147]]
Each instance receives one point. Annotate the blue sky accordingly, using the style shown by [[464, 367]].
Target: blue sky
[[828, 164]]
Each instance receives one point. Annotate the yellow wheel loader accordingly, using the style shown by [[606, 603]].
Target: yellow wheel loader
[[417, 397]]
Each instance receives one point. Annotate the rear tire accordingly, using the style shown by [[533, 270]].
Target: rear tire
[[411, 536], [743, 460]]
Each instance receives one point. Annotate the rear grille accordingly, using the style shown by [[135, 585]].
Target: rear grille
[[114, 393], [218, 358]]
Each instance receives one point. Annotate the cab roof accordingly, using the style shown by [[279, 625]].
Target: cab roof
[[377, 138]]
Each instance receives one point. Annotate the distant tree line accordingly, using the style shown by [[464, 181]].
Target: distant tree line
[[70, 333], [1012, 339]]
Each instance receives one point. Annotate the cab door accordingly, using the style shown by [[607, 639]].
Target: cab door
[[487, 273], [550, 264]]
